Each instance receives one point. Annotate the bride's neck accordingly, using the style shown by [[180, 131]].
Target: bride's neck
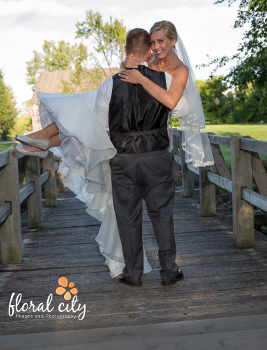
[[168, 59]]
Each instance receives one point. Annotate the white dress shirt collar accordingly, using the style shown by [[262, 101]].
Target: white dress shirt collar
[[144, 64]]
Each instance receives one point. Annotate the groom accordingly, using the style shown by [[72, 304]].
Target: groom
[[142, 167]]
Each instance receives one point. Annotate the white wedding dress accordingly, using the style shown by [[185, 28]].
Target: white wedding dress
[[85, 150]]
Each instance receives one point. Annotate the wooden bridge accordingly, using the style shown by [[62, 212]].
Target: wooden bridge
[[55, 238]]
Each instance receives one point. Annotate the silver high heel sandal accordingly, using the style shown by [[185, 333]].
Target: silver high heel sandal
[[42, 144], [21, 150]]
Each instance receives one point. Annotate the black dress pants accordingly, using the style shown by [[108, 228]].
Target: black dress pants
[[145, 176]]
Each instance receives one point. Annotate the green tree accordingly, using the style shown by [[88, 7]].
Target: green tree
[[56, 57], [22, 125], [223, 105], [250, 68], [217, 100], [82, 74], [247, 107], [8, 110], [108, 38]]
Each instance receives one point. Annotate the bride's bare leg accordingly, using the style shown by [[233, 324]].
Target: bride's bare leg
[[54, 142], [44, 134]]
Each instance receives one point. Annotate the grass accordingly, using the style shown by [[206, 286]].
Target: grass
[[8, 139], [5, 147], [255, 131], [8, 145]]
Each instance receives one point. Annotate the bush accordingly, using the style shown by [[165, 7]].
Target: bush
[[4, 135]]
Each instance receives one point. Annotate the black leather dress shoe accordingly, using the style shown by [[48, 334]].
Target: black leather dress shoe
[[122, 279], [178, 277]]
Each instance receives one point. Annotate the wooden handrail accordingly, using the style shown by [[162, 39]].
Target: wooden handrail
[[26, 191], [44, 177], [5, 211], [244, 156], [254, 198], [253, 145], [11, 197], [246, 166], [220, 181]]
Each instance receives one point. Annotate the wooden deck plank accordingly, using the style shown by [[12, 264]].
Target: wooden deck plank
[[220, 279]]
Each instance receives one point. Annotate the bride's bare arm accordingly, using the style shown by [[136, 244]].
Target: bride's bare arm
[[168, 98]]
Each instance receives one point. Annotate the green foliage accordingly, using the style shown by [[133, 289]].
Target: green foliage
[[109, 38], [22, 125], [248, 107], [81, 74], [250, 67], [228, 205], [108, 45], [218, 104], [56, 57], [175, 122], [223, 105], [263, 229], [8, 110]]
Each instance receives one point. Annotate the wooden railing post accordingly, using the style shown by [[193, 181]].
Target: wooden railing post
[[175, 165], [48, 163], [34, 201], [243, 212], [11, 241], [187, 175], [207, 192]]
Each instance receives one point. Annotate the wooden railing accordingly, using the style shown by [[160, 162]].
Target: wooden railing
[[14, 169], [246, 166]]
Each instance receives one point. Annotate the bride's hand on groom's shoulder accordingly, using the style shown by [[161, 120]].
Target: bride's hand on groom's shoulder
[[131, 62], [131, 76]]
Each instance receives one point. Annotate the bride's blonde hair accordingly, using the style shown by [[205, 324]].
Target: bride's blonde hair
[[168, 27]]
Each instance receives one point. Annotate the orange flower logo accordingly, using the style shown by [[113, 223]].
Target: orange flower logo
[[63, 281]]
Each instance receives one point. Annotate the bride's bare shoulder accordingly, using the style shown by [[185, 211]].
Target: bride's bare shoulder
[[180, 70]]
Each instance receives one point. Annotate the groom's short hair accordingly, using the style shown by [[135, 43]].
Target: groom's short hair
[[138, 42]]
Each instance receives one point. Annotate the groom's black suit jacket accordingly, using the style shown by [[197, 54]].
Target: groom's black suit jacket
[[138, 122]]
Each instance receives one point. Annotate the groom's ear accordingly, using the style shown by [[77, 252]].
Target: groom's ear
[[125, 49]]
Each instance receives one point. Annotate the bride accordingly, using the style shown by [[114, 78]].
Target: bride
[[72, 129]]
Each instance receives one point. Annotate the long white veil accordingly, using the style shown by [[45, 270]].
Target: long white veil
[[195, 139]]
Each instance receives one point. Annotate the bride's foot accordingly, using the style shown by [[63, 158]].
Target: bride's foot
[[42, 144], [30, 150]]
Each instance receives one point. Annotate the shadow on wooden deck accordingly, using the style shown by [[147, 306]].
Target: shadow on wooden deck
[[220, 279]]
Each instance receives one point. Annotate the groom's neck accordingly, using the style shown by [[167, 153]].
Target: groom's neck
[[143, 58]]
